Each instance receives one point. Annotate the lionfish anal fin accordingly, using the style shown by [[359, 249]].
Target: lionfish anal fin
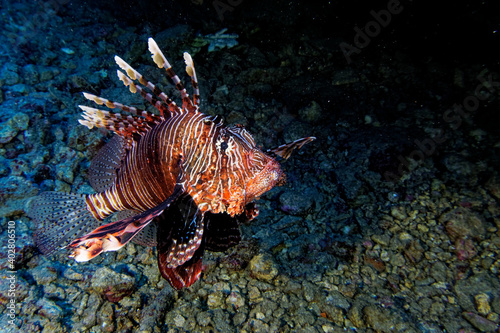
[[286, 150]]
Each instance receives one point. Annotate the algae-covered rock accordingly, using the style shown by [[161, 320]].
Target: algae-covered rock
[[7, 132], [10, 128], [112, 285], [263, 267]]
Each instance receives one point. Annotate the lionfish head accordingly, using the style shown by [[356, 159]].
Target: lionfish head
[[250, 171]]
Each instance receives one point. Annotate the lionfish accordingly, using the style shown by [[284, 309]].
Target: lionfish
[[179, 180]]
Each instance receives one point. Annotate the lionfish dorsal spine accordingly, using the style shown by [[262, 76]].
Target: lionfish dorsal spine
[[138, 120], [194, 80], [160, 101], [162, 62]]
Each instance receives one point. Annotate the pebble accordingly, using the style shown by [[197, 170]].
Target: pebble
[[203, 318], [49, 309], [70, 274], [398, 212], [336, 299], [263, 267], [112, 285], [381, 239], [214, 300], [479, 322], [297, 203], [311, 113], [483, 304], [8, 131], [235, 300], [8, 75], [179, 321], [43, 275], [461, 223]]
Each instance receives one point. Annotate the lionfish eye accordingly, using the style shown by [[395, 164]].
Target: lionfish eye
[[223, 146]]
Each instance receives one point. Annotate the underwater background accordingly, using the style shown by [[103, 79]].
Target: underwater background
[[388, 222]]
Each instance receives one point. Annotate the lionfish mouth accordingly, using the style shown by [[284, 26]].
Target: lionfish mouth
[[270, 176]]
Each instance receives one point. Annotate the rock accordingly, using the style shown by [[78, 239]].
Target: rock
[[7, 131], [378, 319], [179, 321], [20, 89], [105, 317], [483, 304], [462, 223], [381, 239], [89, 306], [21, 121], [438, 271], [465, 249], [298, 203], [235, 300], [467, 289], [214, 300], [493, 185], [481, 323], [336, 299], [30, 74], [112, 285], [18, 167], [203, 318], [70, 274], [16, 187], [49, 309], [398, 212], [10, 128], [239, 318], [263, 267], [311, 113], [43, 275], [8, 75], [48, 73]]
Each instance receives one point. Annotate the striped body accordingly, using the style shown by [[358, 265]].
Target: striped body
[[178, 180], [218, 163]]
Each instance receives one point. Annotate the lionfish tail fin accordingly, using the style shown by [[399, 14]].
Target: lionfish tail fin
[[286, 150], [59, 218]]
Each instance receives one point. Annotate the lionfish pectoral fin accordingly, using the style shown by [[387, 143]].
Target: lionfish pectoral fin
[[114, 235], [185, 275], [286, 150], [179, 238], [145, 237]]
